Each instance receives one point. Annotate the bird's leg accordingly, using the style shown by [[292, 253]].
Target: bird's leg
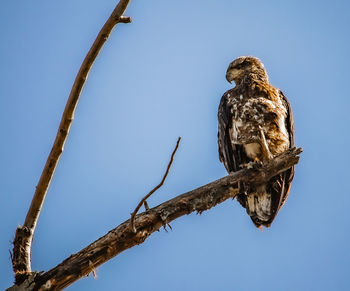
[[256, 160], [266, 154]]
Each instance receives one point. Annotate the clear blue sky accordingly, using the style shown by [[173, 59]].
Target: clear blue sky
[[156, 79]]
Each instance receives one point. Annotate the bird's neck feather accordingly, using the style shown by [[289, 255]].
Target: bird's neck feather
[[251, 78]]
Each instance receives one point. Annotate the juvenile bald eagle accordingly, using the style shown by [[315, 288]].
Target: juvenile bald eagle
[[255, 125]]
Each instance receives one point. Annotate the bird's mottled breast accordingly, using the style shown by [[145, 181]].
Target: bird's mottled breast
[[251, 112]]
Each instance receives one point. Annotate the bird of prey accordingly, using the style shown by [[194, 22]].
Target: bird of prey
[[255, 125]]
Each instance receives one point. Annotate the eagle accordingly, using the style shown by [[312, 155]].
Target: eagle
[[255, 124]]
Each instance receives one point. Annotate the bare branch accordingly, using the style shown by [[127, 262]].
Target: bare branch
[[146, 205], [24, 234], [143, 200], [124, 19], [122, 237]]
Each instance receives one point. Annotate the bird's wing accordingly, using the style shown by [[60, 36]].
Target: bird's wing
[[289, 174], [231, 155], [279, 186]]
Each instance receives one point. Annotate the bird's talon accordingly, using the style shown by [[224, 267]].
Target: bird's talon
[[250, 165], [254, 164]]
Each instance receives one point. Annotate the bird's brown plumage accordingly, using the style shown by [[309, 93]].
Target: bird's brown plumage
[[255, 124]]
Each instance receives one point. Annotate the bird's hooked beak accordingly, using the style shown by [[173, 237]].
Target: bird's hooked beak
[[229, 76]]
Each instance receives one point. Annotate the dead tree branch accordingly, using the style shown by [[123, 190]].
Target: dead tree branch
[[21, 261], [123, 237], [143, 200]]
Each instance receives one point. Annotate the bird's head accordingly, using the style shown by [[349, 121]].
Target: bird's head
[[246, 67]]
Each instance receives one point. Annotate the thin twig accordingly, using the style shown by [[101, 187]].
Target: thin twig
[[143, 200], [93, 269], [21, 262]]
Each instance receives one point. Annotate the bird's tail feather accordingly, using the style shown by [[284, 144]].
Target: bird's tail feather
[[259, 205]]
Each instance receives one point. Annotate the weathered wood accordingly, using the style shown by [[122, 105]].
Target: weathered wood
[[21, 259], [123, 237]]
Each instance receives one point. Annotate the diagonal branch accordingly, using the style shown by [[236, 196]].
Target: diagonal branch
[[24, 234], [122, 237], [143, 200]]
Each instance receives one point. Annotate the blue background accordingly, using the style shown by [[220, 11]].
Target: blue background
[[158, 78]]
